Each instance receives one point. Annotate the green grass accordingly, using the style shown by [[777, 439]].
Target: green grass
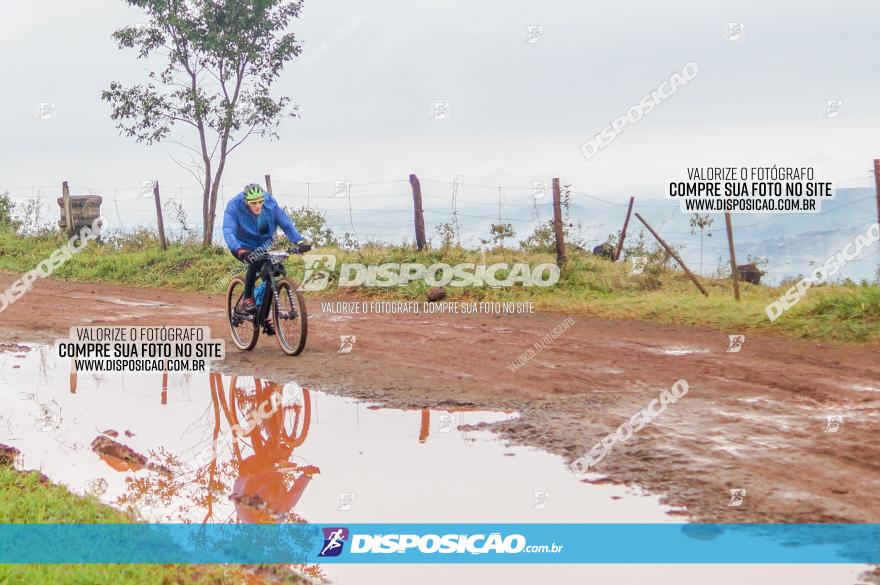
[[848, 314], [23, 499]]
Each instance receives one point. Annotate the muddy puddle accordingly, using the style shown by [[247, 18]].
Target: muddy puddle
[[219, 448]]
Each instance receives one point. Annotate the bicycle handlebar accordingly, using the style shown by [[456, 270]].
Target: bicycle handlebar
[[301, 248]]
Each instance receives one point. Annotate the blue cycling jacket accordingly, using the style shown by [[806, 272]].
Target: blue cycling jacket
[[243, 229]]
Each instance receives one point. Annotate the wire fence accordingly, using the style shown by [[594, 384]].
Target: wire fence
[[382, 211]]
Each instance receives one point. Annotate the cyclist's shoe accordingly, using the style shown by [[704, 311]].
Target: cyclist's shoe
[[269, 327], [249, 306]]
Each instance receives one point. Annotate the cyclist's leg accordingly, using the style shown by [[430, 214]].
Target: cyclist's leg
[[268, 325], [250, 277]]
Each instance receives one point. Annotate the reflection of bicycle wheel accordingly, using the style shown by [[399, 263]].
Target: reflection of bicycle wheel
[[296, 412], [242, 327], [244, 404]]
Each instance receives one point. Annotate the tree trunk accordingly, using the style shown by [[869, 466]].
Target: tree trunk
[[214, 188], [212, 199], [207, 216]]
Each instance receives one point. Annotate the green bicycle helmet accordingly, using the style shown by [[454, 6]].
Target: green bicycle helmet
[[253, 193]]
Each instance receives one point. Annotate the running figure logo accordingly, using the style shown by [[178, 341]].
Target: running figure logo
[[446, 422], [832, 108], [638, 264], [346, 343], [539, 189], [737, 497], [334, 539], [735, 343], [535, 31], [734, 31], [834, 422], [542, 499]]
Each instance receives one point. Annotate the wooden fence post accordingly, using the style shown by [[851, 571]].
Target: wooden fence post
[[557, 224], [674, 255], [877, 191], [623, 231], [269, 185], [418, 211], [734, 272], [877, 185], [68, 212], [159, 216]]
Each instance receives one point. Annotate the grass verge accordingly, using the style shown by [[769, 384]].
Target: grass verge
[[24, 499], [841, 314]]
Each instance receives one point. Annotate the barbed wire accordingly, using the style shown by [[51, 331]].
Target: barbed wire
[[133, 208]]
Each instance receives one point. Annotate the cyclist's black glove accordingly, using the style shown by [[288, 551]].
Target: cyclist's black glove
[[303, 247]]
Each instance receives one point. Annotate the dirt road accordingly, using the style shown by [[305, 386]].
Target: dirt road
[[754, 420]]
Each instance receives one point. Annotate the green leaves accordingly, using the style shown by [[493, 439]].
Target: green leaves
[[312, 225], [222, 58], [701, 222], [146, 107]]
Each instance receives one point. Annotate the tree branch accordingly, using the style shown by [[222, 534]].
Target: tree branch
[[189, 169], [249, 132]]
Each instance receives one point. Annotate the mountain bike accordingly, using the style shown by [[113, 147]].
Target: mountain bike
[[282, 296]]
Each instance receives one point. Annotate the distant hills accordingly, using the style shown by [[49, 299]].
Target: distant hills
[[789, 243]]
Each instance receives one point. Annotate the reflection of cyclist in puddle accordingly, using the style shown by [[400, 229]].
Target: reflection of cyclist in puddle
[[261, 478], [269, 485]]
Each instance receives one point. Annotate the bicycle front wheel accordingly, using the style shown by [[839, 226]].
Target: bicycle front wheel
[[242, 327], [291, 319]]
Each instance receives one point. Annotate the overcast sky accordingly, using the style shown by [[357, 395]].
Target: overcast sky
[[519, 111]]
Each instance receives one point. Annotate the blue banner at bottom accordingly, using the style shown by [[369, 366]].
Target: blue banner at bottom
[[441, 543]]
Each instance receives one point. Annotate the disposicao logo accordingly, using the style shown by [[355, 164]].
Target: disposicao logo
[[334, 539]]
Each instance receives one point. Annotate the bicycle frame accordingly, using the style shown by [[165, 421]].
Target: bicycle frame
[[289, 315], [273, 267]]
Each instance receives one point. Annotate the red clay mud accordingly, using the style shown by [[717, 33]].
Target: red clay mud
[[756, 420]]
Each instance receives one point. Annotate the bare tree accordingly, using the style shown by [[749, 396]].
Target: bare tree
[[223, 56]]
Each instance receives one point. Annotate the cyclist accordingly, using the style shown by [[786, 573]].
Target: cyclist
[[249, 225]]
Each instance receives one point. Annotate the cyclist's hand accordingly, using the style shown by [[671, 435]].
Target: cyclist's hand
[[242, 253], [303, 247]]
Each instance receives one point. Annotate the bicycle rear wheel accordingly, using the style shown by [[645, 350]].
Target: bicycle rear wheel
[[291, 319], [242, 327]]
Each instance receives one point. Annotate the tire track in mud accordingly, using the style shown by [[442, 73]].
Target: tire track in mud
[[754, 419]]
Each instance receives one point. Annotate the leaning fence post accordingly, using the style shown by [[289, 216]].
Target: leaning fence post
[[557, 224], [674, 255], [159, 216], [418, 211], [623, 231], [734, 273]]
